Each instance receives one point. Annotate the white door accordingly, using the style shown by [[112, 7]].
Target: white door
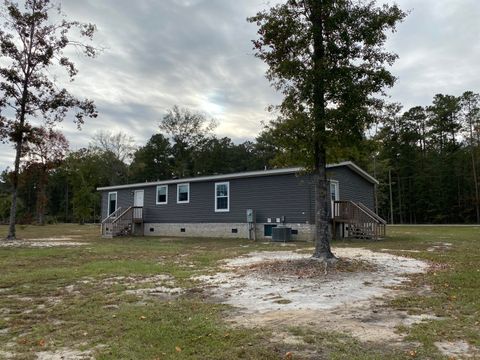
[[138, 198]]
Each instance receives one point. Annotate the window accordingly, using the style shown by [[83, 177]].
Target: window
[[112, 203], [162, 194], [183, 193], [222, 197]]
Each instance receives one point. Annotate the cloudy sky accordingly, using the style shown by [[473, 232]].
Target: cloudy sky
[[198, 54]]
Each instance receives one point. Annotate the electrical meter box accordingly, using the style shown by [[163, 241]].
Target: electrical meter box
[[250, 216]]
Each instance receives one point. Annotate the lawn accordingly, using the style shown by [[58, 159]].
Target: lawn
[[87, 300]]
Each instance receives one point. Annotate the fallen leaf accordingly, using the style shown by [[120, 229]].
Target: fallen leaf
[[142, 317], [289, 355], [178, 348], [41, 342]]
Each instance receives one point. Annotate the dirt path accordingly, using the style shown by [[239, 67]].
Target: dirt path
[[349, 302]]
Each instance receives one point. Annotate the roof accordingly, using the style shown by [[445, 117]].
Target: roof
[[239, 175]]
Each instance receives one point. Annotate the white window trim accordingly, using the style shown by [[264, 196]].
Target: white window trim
[[228, 196], [116, 202], [178, 193], [166, 195]]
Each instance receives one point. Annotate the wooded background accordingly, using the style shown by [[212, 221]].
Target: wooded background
[[426, 160]]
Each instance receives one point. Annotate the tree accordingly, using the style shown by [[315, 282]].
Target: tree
[[31, 47], [44, 154], [152, 161], [188, 130], [470, 105], [328, 59], [121, 145]]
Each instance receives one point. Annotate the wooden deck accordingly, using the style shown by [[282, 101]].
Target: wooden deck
[[355, 220]]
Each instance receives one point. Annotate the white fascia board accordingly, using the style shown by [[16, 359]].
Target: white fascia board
[[247, 174], [355, 168]]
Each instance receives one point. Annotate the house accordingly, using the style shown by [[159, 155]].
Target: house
[[242, 205]]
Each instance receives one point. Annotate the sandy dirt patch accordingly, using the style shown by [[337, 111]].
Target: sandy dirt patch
[[161, 285], [440, 246], [43, 242], [457, 349], [350, 302], [64, 354]]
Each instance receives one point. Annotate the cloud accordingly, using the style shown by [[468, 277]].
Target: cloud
[[198, 54]]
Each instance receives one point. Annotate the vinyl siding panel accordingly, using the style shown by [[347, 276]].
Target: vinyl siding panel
[[353, 187]]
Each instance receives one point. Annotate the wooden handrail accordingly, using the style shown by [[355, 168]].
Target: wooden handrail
[[112, 215], [361, 221], [122, 215], [372, 213], [352, 207]]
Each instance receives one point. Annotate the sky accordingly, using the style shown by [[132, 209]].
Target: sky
[[198, 54]]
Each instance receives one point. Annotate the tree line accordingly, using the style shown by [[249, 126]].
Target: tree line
[[425, 158], [60, 185]]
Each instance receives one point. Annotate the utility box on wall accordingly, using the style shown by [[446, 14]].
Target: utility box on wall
[[250, 216]]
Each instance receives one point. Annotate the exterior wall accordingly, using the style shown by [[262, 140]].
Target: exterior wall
[[223, 230], [270, 196], [353, 187]]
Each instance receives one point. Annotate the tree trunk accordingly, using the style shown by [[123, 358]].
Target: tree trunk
[[475, 184], [322, 221], [13, 209], [19, 136], [41, 199]]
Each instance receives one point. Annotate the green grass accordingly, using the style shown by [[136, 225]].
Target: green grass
[[56, 297]]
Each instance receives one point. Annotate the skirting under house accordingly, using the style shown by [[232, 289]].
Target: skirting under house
[[299, 232]]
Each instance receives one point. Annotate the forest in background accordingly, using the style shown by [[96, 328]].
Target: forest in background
[[426, 159]]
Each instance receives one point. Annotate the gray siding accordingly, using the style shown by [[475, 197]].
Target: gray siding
[[353, 187], [270, 196]]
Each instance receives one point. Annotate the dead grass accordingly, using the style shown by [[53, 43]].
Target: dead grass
[[79, 300], [309, 268]]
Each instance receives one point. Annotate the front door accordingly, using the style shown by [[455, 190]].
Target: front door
[[138, 198]]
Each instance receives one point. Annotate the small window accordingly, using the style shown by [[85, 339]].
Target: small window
[[182, 229], [162, 194], [112, 203], [294, 232], [234, 231], [222, 197], [152, 229], [183, 193]]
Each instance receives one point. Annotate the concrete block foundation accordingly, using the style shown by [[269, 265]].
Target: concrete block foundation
[[300, 232]]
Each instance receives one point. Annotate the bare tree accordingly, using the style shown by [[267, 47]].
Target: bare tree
[[120, 144], [188, 130]]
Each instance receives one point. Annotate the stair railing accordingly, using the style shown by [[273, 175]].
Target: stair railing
[[362, 221]]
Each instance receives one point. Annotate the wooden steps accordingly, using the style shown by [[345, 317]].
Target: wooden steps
[[123, 222]]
